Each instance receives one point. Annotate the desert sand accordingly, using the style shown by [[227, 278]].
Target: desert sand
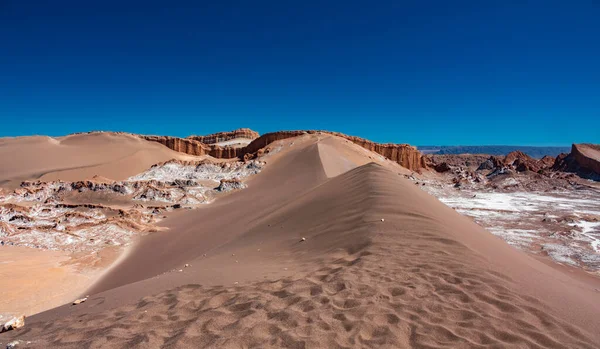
[[78, 157], [40, 280], [328, 247]]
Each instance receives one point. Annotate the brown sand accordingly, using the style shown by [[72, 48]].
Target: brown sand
[[78, 157], [35, 280], [426, 277]]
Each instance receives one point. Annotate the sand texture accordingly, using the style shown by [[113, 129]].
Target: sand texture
[[424, 277], [116, 156]]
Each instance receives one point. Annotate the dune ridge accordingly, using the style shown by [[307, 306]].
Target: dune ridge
[[79, 156], [424, 277]]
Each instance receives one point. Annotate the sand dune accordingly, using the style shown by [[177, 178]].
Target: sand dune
[[425, 277], [79, 156]]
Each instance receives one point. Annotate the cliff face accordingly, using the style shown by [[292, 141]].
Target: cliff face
[[226, 136], [404, 154], [584, 160], [182, 145], [587, 156]]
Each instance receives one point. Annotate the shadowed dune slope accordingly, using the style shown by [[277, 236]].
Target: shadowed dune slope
[[78, 157], [425, 277]]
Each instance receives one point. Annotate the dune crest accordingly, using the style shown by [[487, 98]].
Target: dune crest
[[326, 249]]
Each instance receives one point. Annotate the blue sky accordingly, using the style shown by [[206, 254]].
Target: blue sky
[[419, 72]]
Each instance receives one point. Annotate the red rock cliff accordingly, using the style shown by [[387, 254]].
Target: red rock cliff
[[404, 154], [226, 136], [587, 156], [584, 159]]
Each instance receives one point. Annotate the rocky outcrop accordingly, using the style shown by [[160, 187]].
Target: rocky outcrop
[[13, 324], [230, 184], [194, 147], [515, 160], [446, 162], [547, 161], [584, 160], [226, 136], [182, 145], [404, 154]]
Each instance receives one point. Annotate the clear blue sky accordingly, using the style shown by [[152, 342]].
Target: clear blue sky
[[420, 72]]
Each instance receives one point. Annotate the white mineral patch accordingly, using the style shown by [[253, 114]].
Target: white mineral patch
[[39, 221], [556, 221]]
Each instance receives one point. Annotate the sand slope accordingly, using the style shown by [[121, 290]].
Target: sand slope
[[79, 156], [426, 277]]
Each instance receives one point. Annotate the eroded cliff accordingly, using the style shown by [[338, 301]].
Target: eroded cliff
[[240, 133], [404, 154], [584, 160]]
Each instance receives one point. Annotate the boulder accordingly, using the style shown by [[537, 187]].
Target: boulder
[[14, 323], [584, 160], [443, 167]]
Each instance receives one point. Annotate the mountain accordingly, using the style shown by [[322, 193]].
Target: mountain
[[535, 152]]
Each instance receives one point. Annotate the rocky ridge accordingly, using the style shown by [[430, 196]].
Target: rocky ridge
[[404, 154], [584, 160], [244, 133], [78, 216], [530, 203]]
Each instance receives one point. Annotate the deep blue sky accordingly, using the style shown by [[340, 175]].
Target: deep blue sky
[[420, 72]]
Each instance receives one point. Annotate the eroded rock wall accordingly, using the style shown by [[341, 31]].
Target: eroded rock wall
[[226, 136], [584, 160], [404, 154]]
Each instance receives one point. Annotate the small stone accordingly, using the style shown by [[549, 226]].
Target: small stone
[[180, 270], [303, 239], [187, 265], [13, 344], [79, 301], [14, 323], [383, 220], [235, 283]]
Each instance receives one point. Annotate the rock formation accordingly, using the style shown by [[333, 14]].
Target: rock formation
[[587, 156], [404, 154], [226, 136], [584, 160], [13, 324]]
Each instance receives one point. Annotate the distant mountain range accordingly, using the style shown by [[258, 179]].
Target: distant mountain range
[[535, 152]]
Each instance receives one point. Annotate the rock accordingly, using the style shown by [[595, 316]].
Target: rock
[[13, 344], [230, 184], [186, 266], [486, 165], [443, 167], [80, 300], [584, 160], [382, 219], [303, 239], [14, 323], [244, 133], [404, 154]]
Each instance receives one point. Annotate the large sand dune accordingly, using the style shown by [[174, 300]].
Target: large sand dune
[[423, 277], [78, 157]]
